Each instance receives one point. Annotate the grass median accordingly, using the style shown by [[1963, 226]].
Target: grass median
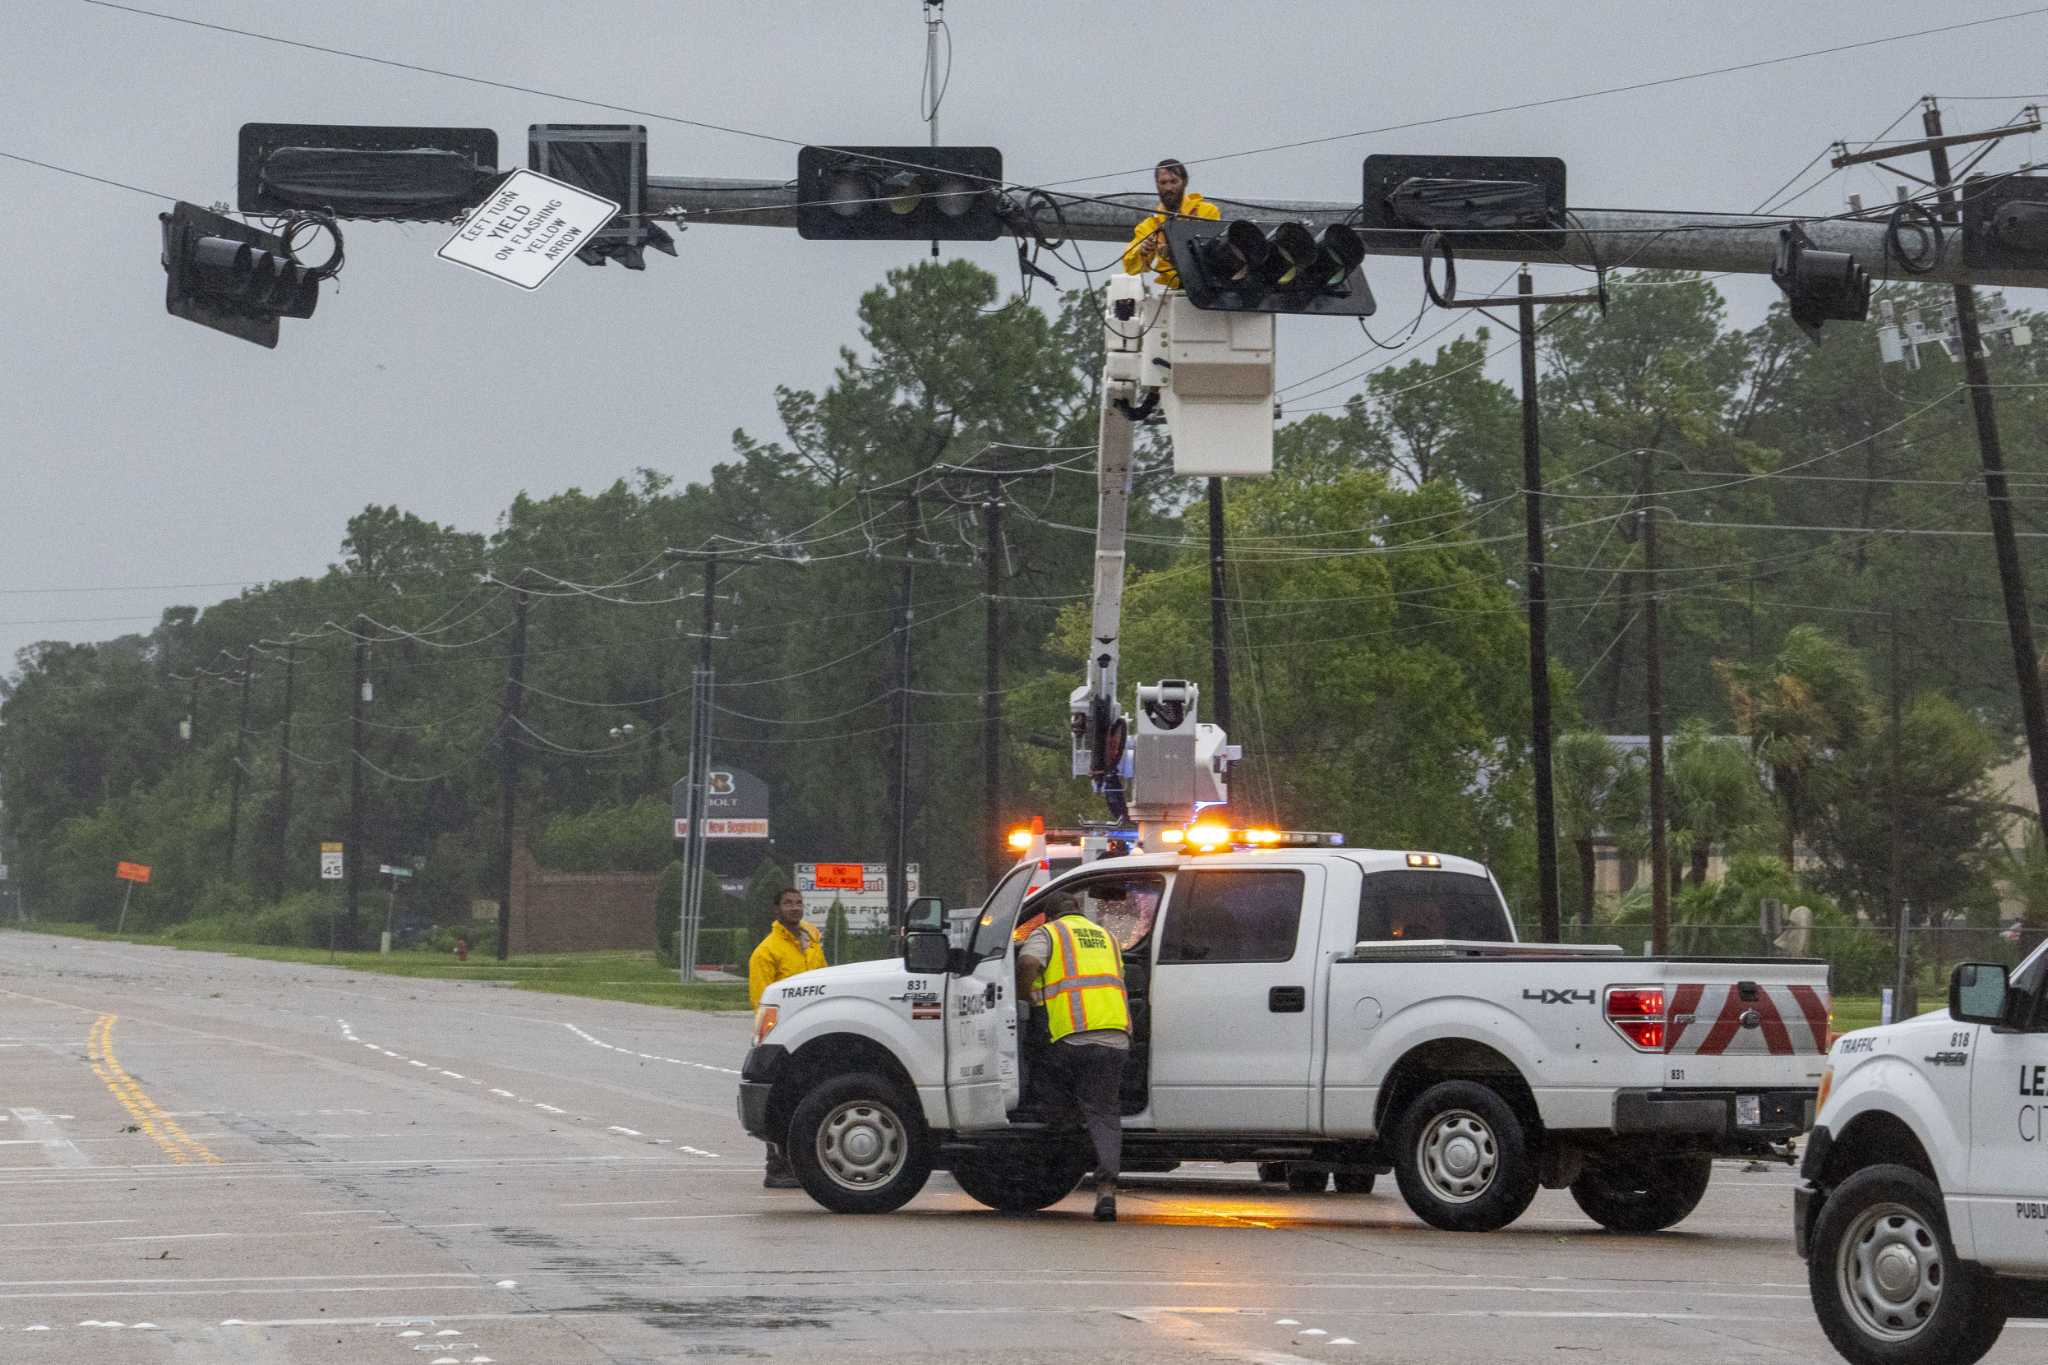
[[635, 977]]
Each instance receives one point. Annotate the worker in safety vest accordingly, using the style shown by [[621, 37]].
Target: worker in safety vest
[[1148, 250], [1074, 971], [792, 946]]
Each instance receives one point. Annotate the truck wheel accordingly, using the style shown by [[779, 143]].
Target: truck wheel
[[859, 1145], [1885, 1280], [1355, 1182], [1645, 1198], [1303, 1181], [1463, 1159], [1037, 1181]]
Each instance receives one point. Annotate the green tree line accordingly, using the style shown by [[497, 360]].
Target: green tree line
[[1811, 502]]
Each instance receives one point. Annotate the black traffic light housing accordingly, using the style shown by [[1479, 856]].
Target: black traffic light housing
[[1241, 267], [232, 277], [1820, 286], [363, 171], [910, 194], [1497, 203], [608, 159], [2005, 221]]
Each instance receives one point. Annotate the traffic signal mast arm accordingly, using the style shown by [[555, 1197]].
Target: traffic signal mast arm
[[1636, 238]]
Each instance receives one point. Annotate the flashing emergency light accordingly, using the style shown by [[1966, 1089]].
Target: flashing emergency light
[[1020, 839], [1424, 860]]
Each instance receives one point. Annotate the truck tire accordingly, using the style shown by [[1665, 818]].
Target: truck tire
[[1307, 1180], [859, 1145], [1463, 1158], [1885, 1280], [1645, 1198], [1355, 1182], [1038, 1181]]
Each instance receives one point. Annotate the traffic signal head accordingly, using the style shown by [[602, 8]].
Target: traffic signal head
[[1240, 267], [1512, 203], [899, 193], [232, 277], [2005, 221], [355, 171], [1820, 286], [608, 159]]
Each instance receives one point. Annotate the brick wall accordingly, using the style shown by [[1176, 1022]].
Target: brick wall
[[579, 912]]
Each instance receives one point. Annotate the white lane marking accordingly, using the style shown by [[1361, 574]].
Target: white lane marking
[[629, 1132], [1313, 1332], [698, 1151], [688, 1217], [215, 1293], [455, 1075], [71, 1223], [548, 1108], [61, 1151], [616, 1203], [648, 1056], [507, 1284], [412, 1332], [241, 1279], [1341, 1341], [506, 1093]]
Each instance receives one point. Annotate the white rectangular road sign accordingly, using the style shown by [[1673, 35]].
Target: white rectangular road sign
[[330, 862], [529, 226]]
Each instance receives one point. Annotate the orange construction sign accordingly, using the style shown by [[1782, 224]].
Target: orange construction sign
[[842, 877], [132, 872]]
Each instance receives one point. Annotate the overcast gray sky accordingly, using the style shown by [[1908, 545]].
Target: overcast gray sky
[[145, 451]]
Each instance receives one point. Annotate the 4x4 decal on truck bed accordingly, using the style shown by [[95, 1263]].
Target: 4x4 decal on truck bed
[[1550, 995]]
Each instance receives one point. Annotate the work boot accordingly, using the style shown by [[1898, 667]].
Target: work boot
[[780, 1175], [1105, 1202]]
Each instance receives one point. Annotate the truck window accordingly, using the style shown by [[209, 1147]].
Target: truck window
[[1125, 905], [999, 912], [1235, 916], [1427, 905]]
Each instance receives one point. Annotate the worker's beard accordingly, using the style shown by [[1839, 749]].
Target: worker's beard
[[1171, 205]]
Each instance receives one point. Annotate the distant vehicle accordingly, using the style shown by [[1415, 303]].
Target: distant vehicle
[[1921, 1210]]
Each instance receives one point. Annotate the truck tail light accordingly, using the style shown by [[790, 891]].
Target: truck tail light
[[1637, 1014]]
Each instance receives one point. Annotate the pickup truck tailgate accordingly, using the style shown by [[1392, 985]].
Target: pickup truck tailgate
[[1742, 1014]]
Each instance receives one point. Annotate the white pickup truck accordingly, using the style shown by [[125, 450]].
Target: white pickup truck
[[1922, 1207], [1341, 1010]]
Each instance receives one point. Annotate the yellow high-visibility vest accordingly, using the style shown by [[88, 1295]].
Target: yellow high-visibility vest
[[1083, 986]]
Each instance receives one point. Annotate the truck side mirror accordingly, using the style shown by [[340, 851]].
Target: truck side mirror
[[927, 952], [926, 914], [1978, 993]]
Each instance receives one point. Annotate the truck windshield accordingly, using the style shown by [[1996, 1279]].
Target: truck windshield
[[1430, 905], [999, 912]]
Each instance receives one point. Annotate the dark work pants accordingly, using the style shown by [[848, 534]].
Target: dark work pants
[[1092, 1078]]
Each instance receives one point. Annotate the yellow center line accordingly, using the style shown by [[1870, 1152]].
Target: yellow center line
[[163, 1130]]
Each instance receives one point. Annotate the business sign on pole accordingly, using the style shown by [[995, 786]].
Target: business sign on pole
[[861, 890], [735, 806], [330, 862], [387, 870], [132, 872], [527, 228]]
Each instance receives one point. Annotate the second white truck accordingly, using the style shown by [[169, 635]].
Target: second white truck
[[1329, 1009]]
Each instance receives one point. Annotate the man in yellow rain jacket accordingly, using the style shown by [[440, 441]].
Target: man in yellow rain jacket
[[1147, 250], [1074, 971], [792, 946]]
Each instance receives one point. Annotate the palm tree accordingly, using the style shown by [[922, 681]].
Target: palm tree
[[1812, 699], [1717, 796], [1598, 791]]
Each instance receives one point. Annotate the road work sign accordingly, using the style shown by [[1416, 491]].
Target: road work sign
[[132, 872], [529, 226], [330, 862]]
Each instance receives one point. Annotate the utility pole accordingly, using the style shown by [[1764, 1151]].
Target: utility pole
[[2012, 578], [284, 773], [1653, 686], [1219, 612], [235, 777], [1526, 300], [702, 683], [992, 680], [899, 846], [1895, 881], [1539, 622], [508, 767], [355, 854]]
